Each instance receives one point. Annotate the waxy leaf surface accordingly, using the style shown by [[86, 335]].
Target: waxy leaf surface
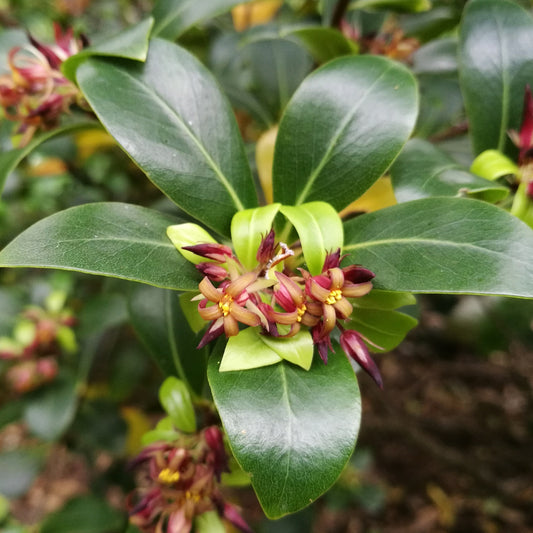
[[422, 171], [170, 117], [292, 430], [342, 129], [173, 17], [444, 245], [158, 319], [132, 43], [109, 239], [495, 64]]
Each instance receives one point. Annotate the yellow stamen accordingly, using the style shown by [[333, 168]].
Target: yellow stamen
[[301, 312], [168, 477], [225, 304], [190, 496], [334, 296]]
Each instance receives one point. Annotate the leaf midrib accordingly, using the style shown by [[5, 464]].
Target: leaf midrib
[[335, 139], [172, 113]]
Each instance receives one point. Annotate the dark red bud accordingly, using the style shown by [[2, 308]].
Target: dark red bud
[[332, 260], [266, 248], [353, 346], [214, 251], [48, 53], [212, 271], [357, 274], [231, 514], [529, 190]]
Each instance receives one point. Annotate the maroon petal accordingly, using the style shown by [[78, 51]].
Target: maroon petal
[[266, 248], [213, 331], [212, 250], [332, 260], [526, 131]]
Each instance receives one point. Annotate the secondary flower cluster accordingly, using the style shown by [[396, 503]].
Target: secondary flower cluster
[[32, 352], [180, 482], [35, 93], [281, 302]]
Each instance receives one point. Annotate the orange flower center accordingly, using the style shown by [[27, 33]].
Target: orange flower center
[[301, 311], [168, 477]]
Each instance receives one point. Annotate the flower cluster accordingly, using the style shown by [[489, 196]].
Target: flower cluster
[[281, 301], [35, 93], [32, 352], [180, 482]]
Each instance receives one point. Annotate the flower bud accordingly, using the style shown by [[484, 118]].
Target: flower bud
[[353, 346], [212, 250], [266, 248], [212, 271]]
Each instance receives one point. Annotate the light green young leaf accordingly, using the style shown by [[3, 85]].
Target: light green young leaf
[[297, 349], [248, 227], [492, 164], [189, 234], [175, 398], [320, 230]]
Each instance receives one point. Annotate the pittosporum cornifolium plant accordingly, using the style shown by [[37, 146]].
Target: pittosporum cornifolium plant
[[281, 290]]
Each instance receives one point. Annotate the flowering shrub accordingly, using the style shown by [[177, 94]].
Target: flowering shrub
[[255, 287]]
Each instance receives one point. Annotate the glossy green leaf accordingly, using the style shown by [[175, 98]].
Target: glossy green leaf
[[384, 328], [422, 171], [246, 351], [342, 129], [131, 43], [109, 239], [394, 5], [248, 227], [444, 245], [174, 17], [386, 300], [158, 319], [320, 231], [436, 57], [492, 164], [293, 431], [171, 118], [176, 400], [495, 64], [51, 409], [9, 160], [85, 514], [189, 234], [259, 76]]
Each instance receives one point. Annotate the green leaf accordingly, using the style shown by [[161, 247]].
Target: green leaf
[[386, 300], [385, 328], [171, 118], [189, 234], [50, 410], [444, 245], [297, 349], [293, 431], [157, 318], [108, 239], [209, 522], [342, 129], [394, 5], [174, 17], [18, 469], [247, 350], [492, 165], [176, 400], [10, 159], [324, 44], [86, 514], [131, 43], [495, 64], [422, 171], [248, 227], [320, 231], [190, 311]]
